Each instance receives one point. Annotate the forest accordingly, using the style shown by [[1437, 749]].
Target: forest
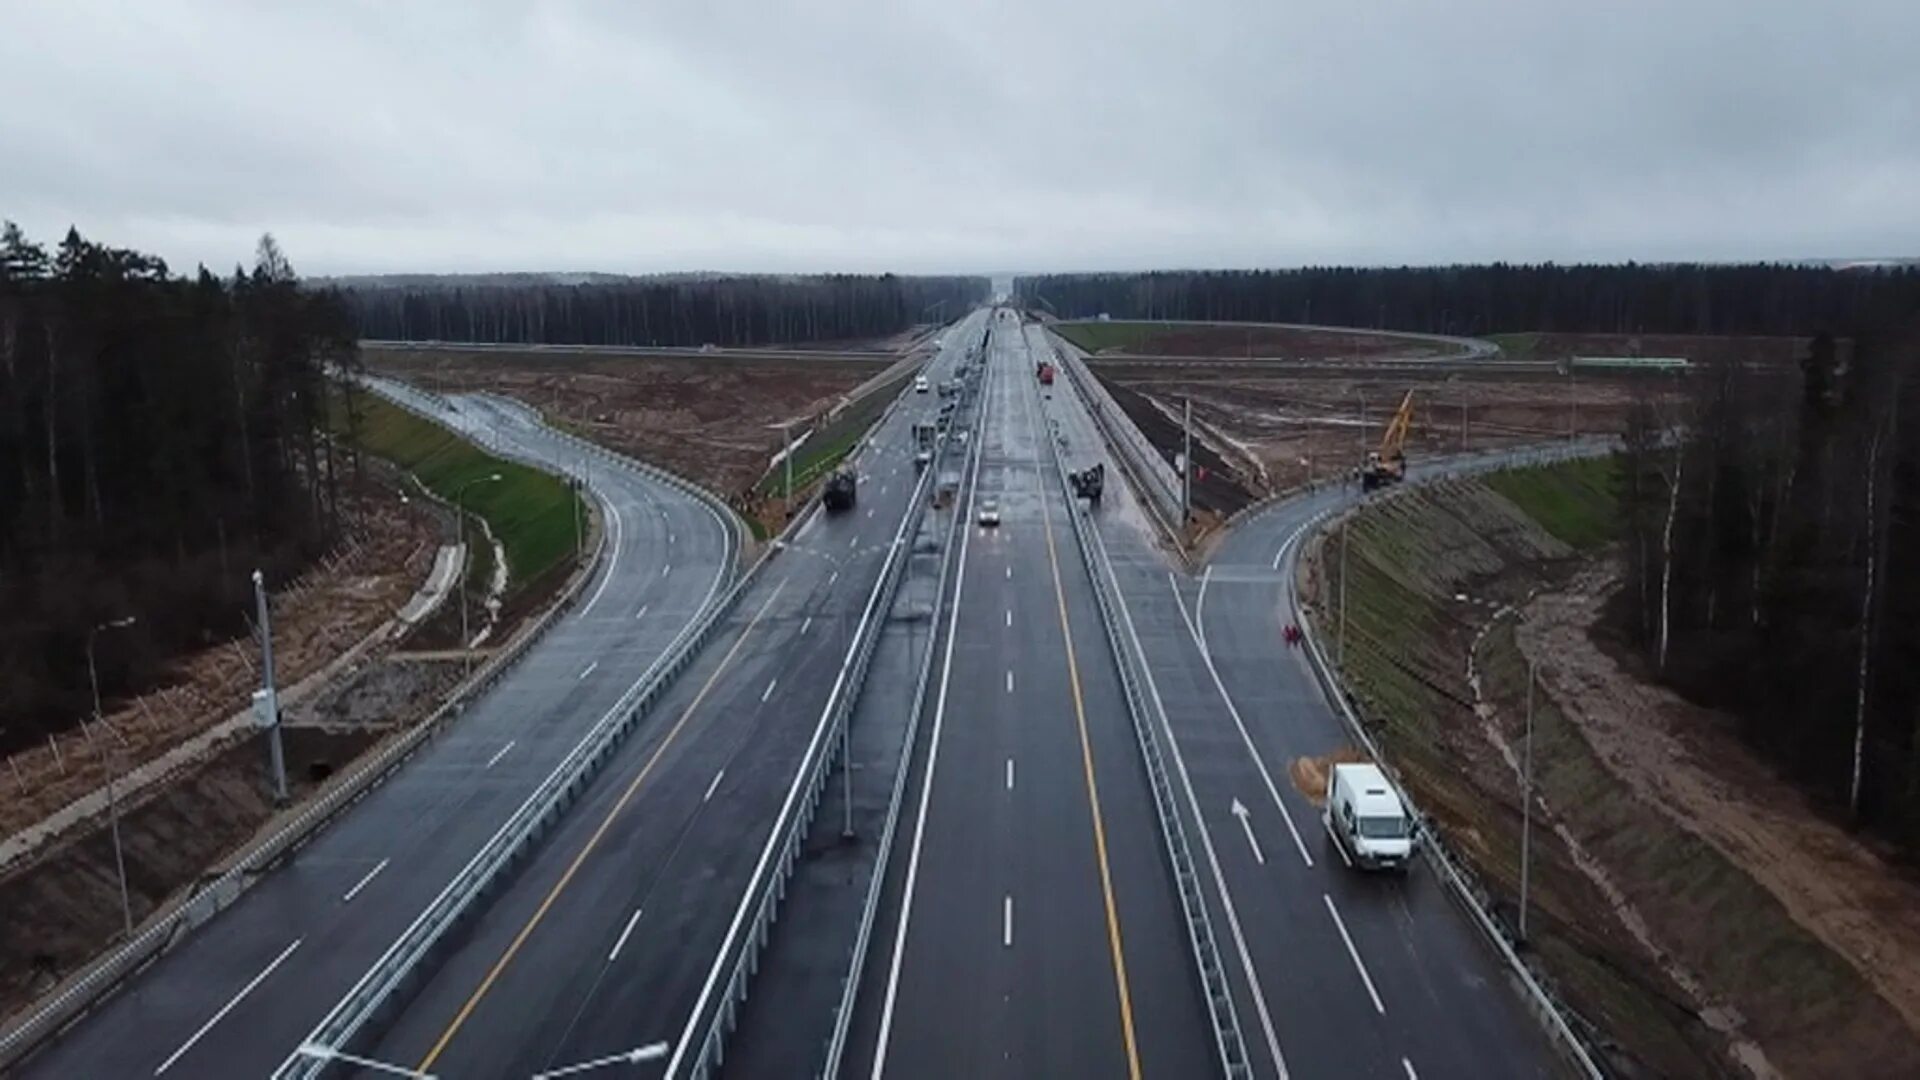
[[1771, 528], [725, 311], [160, 438], [1773, 299]]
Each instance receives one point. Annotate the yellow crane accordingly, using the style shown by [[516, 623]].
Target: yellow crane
[[1388, 465]]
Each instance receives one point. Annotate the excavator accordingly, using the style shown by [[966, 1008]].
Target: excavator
[[1388, 465]]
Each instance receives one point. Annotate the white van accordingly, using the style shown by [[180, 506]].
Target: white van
[[920, 384], [1365, 817]]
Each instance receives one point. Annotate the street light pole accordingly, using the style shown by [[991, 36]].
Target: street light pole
[[269, 691], [460, 526], [113, 801], [1526, 806]]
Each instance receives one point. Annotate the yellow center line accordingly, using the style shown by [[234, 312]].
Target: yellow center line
[[1093, 791], [500, 965]]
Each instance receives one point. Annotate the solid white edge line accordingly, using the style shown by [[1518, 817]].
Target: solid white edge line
[[926, 793], [362, 883], [227, 1008], [1006, 922], [621, 942], [1200, 605], [1234, 711], [613, 555], [1340, 925], [1206, 836], [500, 753]]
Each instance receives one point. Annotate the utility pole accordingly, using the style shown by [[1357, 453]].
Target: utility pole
[[786, 461], [113, 801], [267, 702], [1186, 467], [1526, 806], [1342, 649], [460, 526]]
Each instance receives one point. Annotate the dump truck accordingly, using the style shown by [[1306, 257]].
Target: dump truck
[[840, 491], [1089, 482], [1388, 464]]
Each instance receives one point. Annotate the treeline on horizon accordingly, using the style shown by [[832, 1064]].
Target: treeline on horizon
[[725, 312], [160, 438], [1628, 298]]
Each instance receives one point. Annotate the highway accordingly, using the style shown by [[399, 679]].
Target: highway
[[234, 997], [1335, 971], [612, 936], [1032, 929]]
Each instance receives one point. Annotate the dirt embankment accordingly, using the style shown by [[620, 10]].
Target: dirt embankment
[[1684, 946], [711, 418], [1689, 763]]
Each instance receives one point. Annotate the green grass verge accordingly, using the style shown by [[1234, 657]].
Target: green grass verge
[[1516, 346], [1095, 336], [529, 511], [1574, 500]]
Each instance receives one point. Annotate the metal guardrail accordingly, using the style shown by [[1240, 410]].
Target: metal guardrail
[[1155, 480], [777, 861], [1552, 1013], [1228, 1037], [869, 913], [107, 973]]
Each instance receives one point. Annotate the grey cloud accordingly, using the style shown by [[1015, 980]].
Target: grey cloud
[[924, 135]]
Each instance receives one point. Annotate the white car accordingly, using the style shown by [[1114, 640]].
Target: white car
[[920, 384], [989, 513]]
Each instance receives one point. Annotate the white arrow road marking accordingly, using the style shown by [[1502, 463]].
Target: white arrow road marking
[[362, 883], [1240, 811], [227, 1008], [1355, 954]]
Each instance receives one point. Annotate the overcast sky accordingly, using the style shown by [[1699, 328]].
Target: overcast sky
[[926, 135]]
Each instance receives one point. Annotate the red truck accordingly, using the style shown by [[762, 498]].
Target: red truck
[[1045, 371]]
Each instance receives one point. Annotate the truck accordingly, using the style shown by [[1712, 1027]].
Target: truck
[[925, 436], [1366, 818], [1045, 372], [1089, 482], [840, 491]]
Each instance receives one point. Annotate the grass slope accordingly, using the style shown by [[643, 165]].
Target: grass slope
[[1095, 336], [531, 512]]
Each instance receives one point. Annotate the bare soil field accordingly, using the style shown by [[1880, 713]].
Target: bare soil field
[[711, 418], [1277, 431]]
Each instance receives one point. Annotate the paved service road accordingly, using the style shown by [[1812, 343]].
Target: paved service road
[[611, 936], [1335, 972], [1035, 928], [235, 997]]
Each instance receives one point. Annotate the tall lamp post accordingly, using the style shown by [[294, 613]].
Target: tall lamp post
[[460, 527], [113, 802]]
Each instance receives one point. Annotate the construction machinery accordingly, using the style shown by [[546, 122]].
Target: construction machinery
[[839, 493], [1388, 464], [1089, 482]]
